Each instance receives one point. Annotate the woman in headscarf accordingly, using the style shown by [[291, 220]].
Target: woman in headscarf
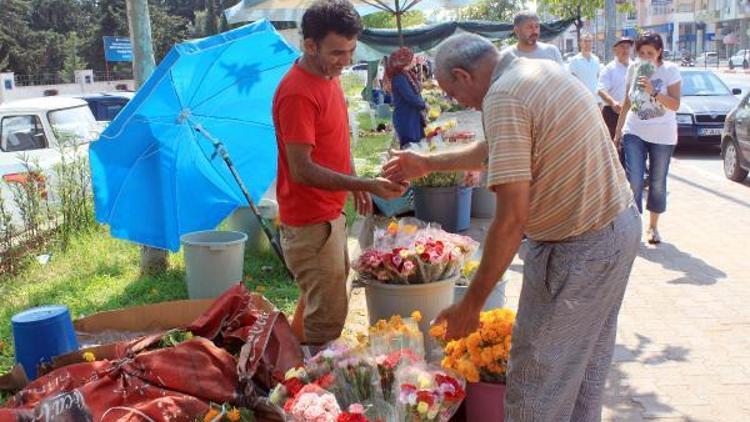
[[408, 120]]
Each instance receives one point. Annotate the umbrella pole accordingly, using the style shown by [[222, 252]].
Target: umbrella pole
[[222, 152]]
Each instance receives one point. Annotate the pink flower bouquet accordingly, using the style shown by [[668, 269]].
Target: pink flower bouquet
[[405, 253], [313, 404]]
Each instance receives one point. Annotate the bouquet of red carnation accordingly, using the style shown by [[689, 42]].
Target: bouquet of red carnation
[[428, 394]]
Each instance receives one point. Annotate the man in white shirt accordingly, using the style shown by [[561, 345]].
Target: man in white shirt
[[612, 83], [527, 29], [585, 65]]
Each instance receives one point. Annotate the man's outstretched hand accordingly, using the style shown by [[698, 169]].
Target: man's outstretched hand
[[388, 189], [405, 165]]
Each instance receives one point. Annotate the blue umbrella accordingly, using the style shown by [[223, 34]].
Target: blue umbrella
[[162, 168]]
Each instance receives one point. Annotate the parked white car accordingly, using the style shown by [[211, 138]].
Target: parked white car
[[33, 130], [740, 59]]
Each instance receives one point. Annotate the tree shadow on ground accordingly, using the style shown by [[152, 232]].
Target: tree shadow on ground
[[696, 271], [629, 401]]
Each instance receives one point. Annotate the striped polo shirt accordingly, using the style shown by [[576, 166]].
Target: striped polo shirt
[[543, 126]]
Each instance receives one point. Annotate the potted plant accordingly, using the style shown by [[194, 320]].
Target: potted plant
[[442, 197], [481, 358], [411, 267]]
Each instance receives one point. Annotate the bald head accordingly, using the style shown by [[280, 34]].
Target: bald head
[[463, 51], [464, 65]]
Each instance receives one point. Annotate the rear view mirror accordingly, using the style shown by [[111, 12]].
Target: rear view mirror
[[736, 91]]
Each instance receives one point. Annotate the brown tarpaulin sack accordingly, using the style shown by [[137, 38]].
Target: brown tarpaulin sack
[[176, 383]]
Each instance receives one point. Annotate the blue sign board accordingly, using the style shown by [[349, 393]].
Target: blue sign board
[[118, 49]]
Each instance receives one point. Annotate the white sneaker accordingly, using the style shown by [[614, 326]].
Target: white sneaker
[[653, 237]]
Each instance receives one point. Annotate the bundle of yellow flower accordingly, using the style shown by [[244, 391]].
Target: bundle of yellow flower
[[397, 333], [483, 355]]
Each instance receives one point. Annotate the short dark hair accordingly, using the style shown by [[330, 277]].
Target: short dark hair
[[523, 16], [650, 38], [325, 16]]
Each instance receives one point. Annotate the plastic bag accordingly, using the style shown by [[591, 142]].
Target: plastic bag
[[427, 393]]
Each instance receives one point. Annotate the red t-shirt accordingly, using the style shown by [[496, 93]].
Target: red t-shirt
[[310, 109]]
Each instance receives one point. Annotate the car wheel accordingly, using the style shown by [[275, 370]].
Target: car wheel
[[731, 64], [745, 64], [732, 168]]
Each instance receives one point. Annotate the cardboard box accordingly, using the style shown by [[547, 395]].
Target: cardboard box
[[116, 325]]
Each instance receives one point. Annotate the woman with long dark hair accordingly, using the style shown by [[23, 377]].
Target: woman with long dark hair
[[408, 120], [648, 131]]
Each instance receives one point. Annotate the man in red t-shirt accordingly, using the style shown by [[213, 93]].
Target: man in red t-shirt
[[316, 172]]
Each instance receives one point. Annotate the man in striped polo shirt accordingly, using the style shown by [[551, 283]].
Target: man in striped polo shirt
[[554, 169]]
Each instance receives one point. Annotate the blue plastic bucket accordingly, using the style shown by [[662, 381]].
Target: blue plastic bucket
[[39, 334], [450, 207]]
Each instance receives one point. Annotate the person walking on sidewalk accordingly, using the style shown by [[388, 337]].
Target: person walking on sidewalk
[[315, 170], [555, 172], [585, 65], [612, 84], [408, 104], [648, 131], [527, 29]]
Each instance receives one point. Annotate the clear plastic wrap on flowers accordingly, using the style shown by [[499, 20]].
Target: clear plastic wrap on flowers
[[324, 362], [395, 334], [427, 393], [372, 411], [409, 253], [312, 404], [356, 379]]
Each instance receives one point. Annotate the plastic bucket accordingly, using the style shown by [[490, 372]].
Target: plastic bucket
[[483, 203], [213, 261], [39, 334], [495, 300], [450, 207], [385, 300], [243, 220]]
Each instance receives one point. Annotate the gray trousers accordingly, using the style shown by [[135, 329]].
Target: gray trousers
[[564, 334]]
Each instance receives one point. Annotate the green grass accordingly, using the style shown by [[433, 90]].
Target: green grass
[[100, 273]]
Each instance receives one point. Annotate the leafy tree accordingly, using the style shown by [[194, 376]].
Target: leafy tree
[[72, 58], [490, 10], [578, 9], [166, 30], [61, 16], [14, 34], [388, 20], [112, 21]]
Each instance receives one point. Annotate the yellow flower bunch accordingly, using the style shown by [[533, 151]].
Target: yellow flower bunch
[[89, 356], [483, 354], [396, 324], [469, 268], [394, 228]]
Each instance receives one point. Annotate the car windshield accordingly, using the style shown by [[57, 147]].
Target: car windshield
[[703, 84], [77, 123]]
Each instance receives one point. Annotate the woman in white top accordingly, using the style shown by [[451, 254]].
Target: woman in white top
[[649, 129]]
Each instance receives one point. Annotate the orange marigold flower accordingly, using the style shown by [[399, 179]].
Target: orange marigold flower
[[234, 415], [210, 415]]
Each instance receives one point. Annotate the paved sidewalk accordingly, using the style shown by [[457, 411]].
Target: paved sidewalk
[[683, 344]]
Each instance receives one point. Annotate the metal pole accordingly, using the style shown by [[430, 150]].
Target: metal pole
[[222, 152], [610, 27]]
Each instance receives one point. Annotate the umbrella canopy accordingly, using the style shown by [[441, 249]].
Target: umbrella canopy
[[156, 170], [292, 10]]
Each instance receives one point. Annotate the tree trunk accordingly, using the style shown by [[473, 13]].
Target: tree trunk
[[610, 27], [153, 261]]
